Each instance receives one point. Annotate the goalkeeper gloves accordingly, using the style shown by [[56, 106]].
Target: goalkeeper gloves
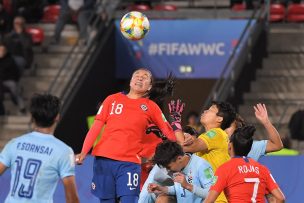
[[175, 110], [154, 129]]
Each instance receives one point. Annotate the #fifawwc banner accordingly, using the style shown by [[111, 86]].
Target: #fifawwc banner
[[188, 48]]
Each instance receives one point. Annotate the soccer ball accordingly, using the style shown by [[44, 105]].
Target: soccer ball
[[134, 25]]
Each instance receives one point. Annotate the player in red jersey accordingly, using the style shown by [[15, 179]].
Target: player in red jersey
[[117, 162], [242, 179]]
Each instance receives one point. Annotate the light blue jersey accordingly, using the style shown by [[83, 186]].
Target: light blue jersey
[[145, 196], [199, 173], [258, 149], [37, 162]]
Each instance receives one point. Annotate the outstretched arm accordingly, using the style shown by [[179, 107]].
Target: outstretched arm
[[274, 142]]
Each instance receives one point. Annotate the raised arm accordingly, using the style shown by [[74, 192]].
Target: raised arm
[[274, 142], [172, 133]]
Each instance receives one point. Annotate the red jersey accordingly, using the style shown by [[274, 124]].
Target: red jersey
[[149, 145], [126, 123], [244, 180]]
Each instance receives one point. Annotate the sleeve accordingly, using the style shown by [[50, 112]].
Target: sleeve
[[220, 180], [171, 190], [66, 164], [160, 120], [144, 195], [270, 181], [6, 154], [206, 179], [210, 139], [103, 110], [94, 131], [258, 149]]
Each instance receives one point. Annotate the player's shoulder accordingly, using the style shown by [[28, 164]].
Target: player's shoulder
[[151, 103], [199, 161], [61, 146], [214, 133], [228, 165], [24, 137], [115, 95], [220, 132], [262, 167]]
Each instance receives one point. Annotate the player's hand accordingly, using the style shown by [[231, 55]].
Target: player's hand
[[157, 189], [189, 139], [181, 179], [154, 129], [79, 158], [261, 113], [175, 110]]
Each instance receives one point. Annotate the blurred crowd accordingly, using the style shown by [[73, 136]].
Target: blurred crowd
[[16, 45], [16, 55]]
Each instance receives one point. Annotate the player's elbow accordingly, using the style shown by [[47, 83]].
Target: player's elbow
[[280, 199], [279, 196], [279, 146], [273, 147]]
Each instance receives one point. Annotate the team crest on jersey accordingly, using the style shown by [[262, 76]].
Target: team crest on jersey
[[190, 177], [144, 107], [93, 186]]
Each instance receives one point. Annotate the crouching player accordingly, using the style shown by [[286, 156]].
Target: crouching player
[[242, 179], [192, 175]]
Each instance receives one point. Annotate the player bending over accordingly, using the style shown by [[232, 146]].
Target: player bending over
[[192, 175]]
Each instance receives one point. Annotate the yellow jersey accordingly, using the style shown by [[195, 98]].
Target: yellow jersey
[[217, 141]]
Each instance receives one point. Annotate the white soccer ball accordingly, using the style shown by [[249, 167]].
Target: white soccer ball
[[134, 25]]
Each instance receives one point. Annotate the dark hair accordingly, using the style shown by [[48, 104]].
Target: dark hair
[[242, 140], [240, 122], [286, 142], [188, 129], [44, 108], [147, 70], [167, 152], [227, 111], [162, 88]]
